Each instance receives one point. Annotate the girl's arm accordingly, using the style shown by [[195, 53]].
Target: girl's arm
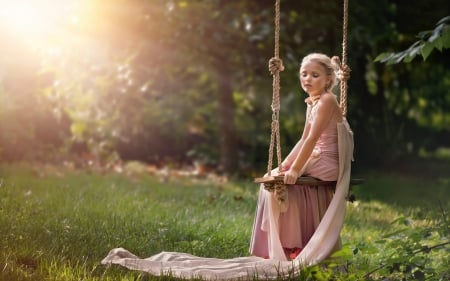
[[287, 163]]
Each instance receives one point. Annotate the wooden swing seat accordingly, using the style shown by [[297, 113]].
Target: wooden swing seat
[[305, 181], [274, 182]]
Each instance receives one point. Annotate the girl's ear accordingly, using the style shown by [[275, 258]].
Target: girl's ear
[[328, 84]]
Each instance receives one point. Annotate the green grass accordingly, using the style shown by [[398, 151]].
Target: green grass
[[58, 224]]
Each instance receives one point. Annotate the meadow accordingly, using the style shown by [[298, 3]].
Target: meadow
[[57, 223]]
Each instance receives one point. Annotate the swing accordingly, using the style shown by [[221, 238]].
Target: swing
[[276, 183], [319, 247]]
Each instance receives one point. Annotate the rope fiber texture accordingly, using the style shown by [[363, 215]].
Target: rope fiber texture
[[344, 66]]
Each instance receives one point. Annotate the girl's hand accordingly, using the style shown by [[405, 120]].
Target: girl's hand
[[283, 167], [290, 177]]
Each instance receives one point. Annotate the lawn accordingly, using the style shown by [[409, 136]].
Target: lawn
[[58, 223]]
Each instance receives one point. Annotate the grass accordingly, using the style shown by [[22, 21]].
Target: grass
[[58, 224]]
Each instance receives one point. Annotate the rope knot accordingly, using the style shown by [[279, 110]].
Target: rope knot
[[275, 65], [342, 70]]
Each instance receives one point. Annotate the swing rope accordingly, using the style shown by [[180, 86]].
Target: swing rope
[[275, 127], [343, 66], [277, 66]]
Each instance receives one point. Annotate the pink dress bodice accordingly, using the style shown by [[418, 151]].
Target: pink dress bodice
[[325, 153]]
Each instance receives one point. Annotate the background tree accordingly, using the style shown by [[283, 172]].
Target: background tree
[[181, 81]]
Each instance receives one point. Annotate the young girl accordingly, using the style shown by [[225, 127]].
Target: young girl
[[315, 155]]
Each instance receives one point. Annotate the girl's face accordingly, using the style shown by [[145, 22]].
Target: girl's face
[[313, 78]]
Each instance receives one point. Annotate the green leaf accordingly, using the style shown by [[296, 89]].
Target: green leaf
[[415, 49], [345, 252], [423, 35], [436, 33], [445, 37], [426, 50], [382, 57], [438, 38], [395, 233], [438, 44]]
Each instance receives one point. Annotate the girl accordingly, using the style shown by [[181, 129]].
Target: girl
[[315, 155]]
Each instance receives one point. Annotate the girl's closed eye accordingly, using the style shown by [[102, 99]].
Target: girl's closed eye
[[305, 74]]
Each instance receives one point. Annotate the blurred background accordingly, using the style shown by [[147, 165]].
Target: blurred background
[[179, 83]]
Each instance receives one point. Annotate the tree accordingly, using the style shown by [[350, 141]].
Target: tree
[[182, 80], [385, 101], [429, 40], [140, 85]]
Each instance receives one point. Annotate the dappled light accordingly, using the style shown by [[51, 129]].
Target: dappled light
[[77, 59], [142, 124], [53, 217], [128, 77]]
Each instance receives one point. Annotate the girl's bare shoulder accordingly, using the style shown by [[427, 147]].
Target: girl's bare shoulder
[[329, 99]]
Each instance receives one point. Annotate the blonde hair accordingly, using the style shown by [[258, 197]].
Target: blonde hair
[[328, 64]]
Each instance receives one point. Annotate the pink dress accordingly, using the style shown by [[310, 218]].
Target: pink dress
[[306, 204]]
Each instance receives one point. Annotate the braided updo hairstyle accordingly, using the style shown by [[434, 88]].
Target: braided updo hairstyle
[[330, 66]]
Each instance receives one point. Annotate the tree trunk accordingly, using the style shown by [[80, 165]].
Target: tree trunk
[[227, 130]]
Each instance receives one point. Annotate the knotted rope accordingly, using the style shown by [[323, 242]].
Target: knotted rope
[[275, 66], [343, 66], [343, 74]]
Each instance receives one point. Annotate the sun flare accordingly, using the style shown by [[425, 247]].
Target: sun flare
[[36, 21]]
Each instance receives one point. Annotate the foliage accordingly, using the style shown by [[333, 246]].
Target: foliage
[[406, 254], [439, 39], [427, 106], [58, 223], [177, 80], [406, 103]]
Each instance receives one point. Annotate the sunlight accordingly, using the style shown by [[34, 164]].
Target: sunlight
[[35, 21]]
